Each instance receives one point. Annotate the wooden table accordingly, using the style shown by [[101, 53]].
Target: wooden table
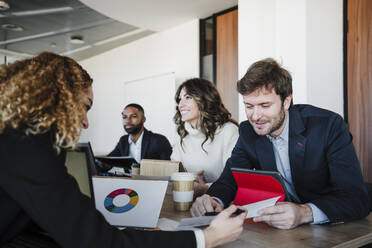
[[352, 234]]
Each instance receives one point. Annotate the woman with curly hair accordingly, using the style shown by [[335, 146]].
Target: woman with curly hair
[[206, 132], [43, 107]]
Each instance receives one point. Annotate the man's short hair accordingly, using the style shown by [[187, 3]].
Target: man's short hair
[[137, 106], [269, 74]]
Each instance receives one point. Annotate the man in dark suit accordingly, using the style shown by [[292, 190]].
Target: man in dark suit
[[140, 143], [310, 147]]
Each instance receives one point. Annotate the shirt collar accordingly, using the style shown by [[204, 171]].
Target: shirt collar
[[139, 141], [284, 134]]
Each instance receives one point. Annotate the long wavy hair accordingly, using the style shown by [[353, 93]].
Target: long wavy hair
[[212, 112], [44, 93]]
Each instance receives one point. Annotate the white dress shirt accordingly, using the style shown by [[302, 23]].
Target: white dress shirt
[[135, 148]]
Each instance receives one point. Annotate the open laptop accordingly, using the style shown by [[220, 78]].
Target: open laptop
[[122, 201], [80, 164], [129, 201]]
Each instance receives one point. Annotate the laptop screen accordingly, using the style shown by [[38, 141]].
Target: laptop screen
[[80, 164]]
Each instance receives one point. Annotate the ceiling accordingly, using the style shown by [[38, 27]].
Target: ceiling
[[50, 25], [159, 15]]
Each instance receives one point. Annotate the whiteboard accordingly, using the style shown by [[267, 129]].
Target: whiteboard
[[156, 95]]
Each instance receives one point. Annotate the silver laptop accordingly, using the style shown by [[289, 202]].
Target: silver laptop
[[129, 201]]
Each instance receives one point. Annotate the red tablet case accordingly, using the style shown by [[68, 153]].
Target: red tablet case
[[254, 187]]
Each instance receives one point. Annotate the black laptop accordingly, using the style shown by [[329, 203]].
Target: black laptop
[[80, 164]]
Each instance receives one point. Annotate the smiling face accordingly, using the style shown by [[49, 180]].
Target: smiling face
[[266, 112], [188, 108], [88, 102]]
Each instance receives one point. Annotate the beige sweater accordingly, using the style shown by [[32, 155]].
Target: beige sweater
[[194, 159]]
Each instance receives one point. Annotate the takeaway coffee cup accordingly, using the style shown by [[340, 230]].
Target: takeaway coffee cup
[[183, 190]]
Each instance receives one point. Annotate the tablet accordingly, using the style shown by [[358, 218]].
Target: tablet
[[123, 162], [263, 184]]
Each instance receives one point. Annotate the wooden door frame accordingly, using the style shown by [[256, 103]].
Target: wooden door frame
[[358, 79], [345, 57], [202, 48]]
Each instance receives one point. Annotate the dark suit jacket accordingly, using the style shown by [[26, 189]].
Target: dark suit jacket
[[154, 146], [324, 166], [35, 189]]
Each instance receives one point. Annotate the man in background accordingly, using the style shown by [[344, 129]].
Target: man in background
[[140, 143]]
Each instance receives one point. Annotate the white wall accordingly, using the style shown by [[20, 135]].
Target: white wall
[[162, 89], [175, 50], [8, 59], [325, 54], [305, 36]]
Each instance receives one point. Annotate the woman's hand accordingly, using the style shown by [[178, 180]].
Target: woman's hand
[[200, 177], [224, 228], [200, 186]]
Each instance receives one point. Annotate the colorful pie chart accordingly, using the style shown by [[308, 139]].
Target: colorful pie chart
[[111, 207]]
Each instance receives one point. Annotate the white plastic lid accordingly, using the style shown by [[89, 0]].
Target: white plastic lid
[[183, 176]]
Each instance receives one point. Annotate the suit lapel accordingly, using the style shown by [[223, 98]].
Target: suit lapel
[[265, 154], [125, 147], [145, 143], [297, 145]]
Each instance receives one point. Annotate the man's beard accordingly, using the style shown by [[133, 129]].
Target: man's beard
[[134, 130], [280, 122]]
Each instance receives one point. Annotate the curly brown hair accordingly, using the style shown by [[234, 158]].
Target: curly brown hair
[[44, 93], [212, 112]]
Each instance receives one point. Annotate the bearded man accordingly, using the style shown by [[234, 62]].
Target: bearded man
[[310, 147], [140, 143]]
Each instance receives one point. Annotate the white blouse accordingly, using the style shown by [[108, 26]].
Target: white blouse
[[213, 161]]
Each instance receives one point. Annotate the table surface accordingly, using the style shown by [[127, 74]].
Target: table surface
[[352, 234]]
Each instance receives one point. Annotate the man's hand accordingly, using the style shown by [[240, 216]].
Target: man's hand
[[224, 228], [204, 204], [285, 215]]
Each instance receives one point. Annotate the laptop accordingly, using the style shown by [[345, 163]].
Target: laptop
[[80, 164], [129, 201], [123, 201]]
